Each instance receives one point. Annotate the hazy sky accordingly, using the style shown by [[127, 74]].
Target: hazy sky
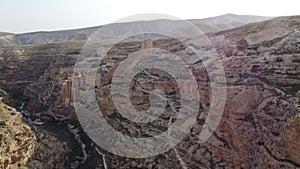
[[39, 15]]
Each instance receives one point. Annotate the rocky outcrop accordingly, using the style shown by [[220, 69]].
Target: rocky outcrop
[[22, 66], [17, 141], [49, 152]]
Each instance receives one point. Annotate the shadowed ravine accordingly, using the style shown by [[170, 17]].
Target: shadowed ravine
[[77, 158]]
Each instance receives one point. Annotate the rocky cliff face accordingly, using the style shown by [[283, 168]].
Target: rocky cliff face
[[17, 140], [259, 127], [23, 145]]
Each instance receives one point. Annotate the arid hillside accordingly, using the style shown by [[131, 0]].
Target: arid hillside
[[259, 127], [212, 24]]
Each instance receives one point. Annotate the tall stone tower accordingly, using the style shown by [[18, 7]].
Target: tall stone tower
[[146, 44]]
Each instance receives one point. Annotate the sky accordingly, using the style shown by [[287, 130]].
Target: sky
[[19, 16]]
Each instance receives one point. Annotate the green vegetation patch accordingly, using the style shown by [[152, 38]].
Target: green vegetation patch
[[3, 92], [288, 88], [27, 142], [291, 89]]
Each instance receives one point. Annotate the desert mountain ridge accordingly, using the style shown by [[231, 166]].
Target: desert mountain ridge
[[213, 24]]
